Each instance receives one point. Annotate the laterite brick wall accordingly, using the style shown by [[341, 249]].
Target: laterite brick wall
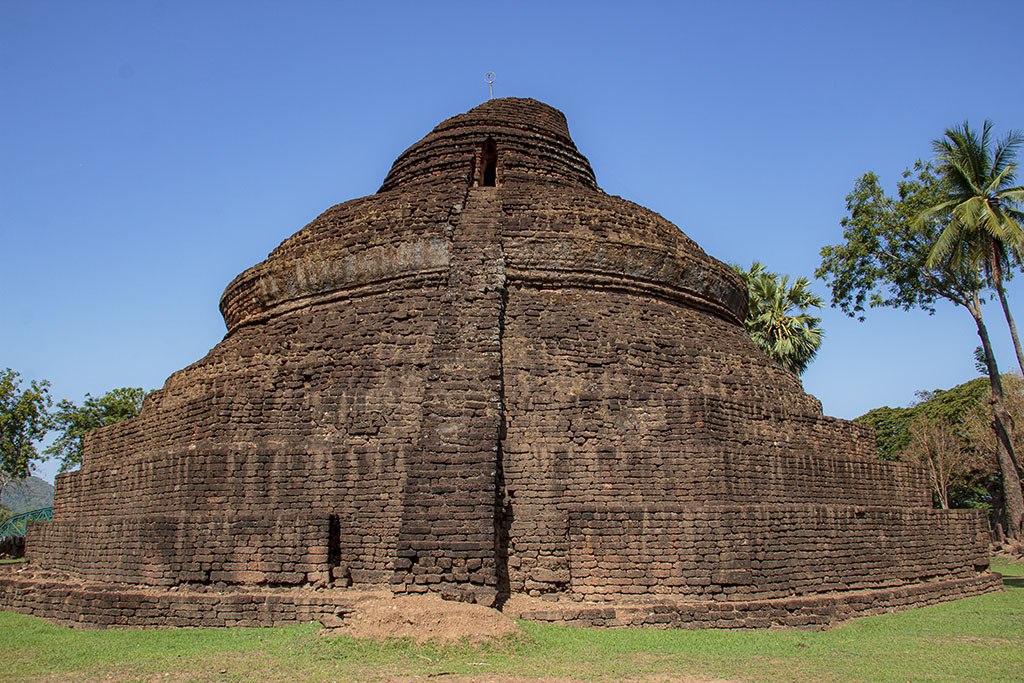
[[484, 391]]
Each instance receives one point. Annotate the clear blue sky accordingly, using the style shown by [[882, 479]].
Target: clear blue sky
[[150, 151]]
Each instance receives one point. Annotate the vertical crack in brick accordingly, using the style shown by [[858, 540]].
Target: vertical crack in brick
[[502, 499]]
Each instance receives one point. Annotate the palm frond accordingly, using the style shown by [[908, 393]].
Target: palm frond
[[1012, 195], [960, 172], [1005, 151], [986, 137], [791, 340], [945, 242], [1007, 231], [981, 161], [999, 179], [965, 156], [932, 212]]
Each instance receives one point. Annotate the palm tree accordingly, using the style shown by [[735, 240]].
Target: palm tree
[[777, 319], [982, 232], [982, 211]]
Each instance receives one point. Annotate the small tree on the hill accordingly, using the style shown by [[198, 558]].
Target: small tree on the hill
[[24, 421], [74, 422]]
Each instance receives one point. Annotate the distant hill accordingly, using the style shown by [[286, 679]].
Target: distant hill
[[31, 494]]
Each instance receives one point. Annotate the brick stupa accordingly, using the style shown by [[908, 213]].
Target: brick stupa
[[495, 382]]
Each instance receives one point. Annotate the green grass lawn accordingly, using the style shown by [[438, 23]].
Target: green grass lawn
[[975, 639]]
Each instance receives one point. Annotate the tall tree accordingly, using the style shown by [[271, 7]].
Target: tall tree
[[777, 318], [980, 217], [937, 444], [884, 261], [74, 422], [24, 420], [977, 422], [954, 406]]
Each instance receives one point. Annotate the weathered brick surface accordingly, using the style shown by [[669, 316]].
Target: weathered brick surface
[[69, 601], [806, 612], [163, 551], [530, 388], [106, 604], [729, 552]]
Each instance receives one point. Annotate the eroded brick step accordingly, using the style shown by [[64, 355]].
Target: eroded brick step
[[103, 605]]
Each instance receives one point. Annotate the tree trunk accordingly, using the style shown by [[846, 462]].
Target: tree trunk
[[1013, 326], [997, 272], [1013, 498], [944, 495]]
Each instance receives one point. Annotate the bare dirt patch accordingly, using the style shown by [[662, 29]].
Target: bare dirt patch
[[422, 618], [978, 641]]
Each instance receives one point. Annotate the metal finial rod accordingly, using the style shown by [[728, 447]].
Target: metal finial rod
[[489, 77]]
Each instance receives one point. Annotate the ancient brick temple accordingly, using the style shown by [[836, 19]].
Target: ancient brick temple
[[493, 381]]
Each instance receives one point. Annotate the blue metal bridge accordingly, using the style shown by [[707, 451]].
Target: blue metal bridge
[[18, 525]]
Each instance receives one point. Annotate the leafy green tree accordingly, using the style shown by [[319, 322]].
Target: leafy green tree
[[883, 261], [891, 430], [24, 420], [954, 406], [74, 422], [963, 473], [980, 216], [777, 318]]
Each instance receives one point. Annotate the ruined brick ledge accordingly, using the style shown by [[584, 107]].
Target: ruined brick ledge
[[820, 611], [89, 604], [51, 596]]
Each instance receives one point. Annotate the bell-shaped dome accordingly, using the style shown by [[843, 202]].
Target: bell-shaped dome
[[556, 221], [495, 382]]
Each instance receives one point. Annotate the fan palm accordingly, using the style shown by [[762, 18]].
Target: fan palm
[[777, 319]]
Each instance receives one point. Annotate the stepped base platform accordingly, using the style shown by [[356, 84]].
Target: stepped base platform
[[63, 599], [818, 611]]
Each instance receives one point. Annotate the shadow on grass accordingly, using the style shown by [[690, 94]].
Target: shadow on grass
[[1014, 582]]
